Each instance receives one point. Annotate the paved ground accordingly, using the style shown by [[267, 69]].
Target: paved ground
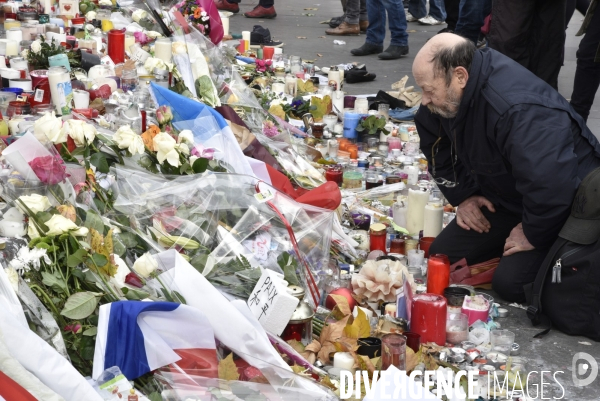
[[555, 351]]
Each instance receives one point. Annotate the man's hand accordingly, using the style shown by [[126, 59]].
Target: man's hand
[[469, 216], [517, 241]]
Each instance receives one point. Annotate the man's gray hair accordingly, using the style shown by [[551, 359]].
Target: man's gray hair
[[446, 58]]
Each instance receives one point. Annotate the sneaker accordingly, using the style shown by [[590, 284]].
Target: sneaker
[[410, 18], [429, 20]]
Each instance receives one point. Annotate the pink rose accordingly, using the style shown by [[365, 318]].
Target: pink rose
[[49, 169]]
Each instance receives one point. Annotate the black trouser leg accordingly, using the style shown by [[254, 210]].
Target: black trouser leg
[[452, 7], [266, 3], [587, 75], [513, 272]]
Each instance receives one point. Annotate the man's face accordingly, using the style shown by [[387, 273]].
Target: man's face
[[439, 98]]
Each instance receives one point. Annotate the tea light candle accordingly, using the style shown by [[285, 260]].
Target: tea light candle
[[343, 360], [163, 49], [278, 87]]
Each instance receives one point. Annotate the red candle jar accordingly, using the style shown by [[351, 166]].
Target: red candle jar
[[116, 45], [438, 274], [425, 243], [378, 236], [397, 246], [428, 318], [268, 52], [335, 174], [393, 351]]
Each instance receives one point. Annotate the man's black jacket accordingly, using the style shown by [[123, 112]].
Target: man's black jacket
[[519, 144]]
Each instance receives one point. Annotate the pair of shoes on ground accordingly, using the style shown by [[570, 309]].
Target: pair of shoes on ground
[[358, 74], [257, 12], [346, 29], [391, 53], [428, 20]]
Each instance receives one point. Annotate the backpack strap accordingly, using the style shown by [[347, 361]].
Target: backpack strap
[[534, 310]]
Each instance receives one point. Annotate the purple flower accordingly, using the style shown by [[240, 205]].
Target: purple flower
[[75, 328], [199, 151], [49, 169], [141, 37]]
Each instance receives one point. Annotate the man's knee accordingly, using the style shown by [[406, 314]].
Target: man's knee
[[439, 246]]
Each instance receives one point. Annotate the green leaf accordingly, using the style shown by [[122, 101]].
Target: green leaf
[[129, 239], [321, 107], [92, 220], [155, 396], [92, 331], [80, 305], [78, 273], [200, 165], [76, 258], [99, 259], [289, 275], [100, 162], [206, 90], [133, 294], [87, 348], [54, 281]]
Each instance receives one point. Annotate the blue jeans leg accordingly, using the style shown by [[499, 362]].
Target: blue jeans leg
[[396, 21], [437, 9], [417, 8], [376, 29], [470, 19]]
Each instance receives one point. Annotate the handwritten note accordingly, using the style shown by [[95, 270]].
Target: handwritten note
[[271, 303]]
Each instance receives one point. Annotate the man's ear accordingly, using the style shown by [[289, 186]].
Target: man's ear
[[462, 76]]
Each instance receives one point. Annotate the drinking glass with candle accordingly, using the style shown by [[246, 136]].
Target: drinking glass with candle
[[361, 106], [335, 174], [502, 341], [397, 246], [425, 243], [393, 351], [457, 328]]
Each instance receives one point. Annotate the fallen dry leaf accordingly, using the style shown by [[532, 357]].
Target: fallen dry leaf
[[315, 346], [227, 369], [320, 55], [359, 328], [333, 331], [310, 9], [341, 308], [308, 15], [301, 37], [412, 359], [297, 345], [411, 31], [322, 37]]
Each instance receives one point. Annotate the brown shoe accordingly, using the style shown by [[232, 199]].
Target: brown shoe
[[363, 26], [261, 12], [344, 29], [227, 6]]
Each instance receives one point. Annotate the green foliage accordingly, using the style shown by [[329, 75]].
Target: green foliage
[[373, 125]]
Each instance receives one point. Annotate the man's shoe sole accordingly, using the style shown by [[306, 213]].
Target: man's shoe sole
[[262, 16], [342, 34]]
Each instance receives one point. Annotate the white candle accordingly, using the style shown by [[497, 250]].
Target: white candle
[[413, 175], [361, 105], [225, 23], [12, 48], [368, 312], [337, 98], [58, 78], [246, 35], [290, 85], [278, 87], [433, 219], [417, 200], [334, 79], [129, 41], [163, 49], [400, 211], [14, 34], [48, 7], [343, 360]]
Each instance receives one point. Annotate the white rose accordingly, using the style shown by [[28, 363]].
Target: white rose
[[153, 62], [186, 136], [145, 265], [179, 48], [80, 131], [36, 203], [58, 225], [127, 139], [36, 46], [164, 144], [48, 128], [153, 34], [32, 231], [105, 3], [90, 16], [122, 272], [182, 148], [25, 53], [138, 15], [13, 278]]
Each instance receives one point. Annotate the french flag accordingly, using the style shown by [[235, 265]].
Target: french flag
[[140, 337]]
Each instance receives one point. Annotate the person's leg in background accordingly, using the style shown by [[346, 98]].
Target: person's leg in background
[[516, 271], [336, 21], [417, 8], [228, 5], [264, 9], [397, 23], [452, 12], [437, 10], [350, 24], [587, 75], [375, 31], [510, 30], [470, 19], [363, 17], [547, 40]]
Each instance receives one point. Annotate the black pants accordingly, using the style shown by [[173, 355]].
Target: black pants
[[513, 272], [572, 5], [587, 75], [531, 32], [262, 3]]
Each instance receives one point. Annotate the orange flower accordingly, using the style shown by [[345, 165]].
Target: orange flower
[[197, 12], [149, 135]]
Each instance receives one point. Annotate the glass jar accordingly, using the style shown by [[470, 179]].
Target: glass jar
[[393, 351], [129, 80], [383, 148], [438, 274], [18, 108], [457, 328], [333, 148], [394, 143], [352, 179], [384, 110], [335, 174], [299, 327], [317, 129], [397, 246], [295, 64], [372, 179], [378, 237]]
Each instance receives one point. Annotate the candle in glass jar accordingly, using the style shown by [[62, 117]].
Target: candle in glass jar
[[378, 237], [428, 318], [438, 274], [393, 351], [11, 23], [394, 143], [163, 49], [416, 210], [433, 219], [129, 41], [12, 48], [335, 174], [116, 46]]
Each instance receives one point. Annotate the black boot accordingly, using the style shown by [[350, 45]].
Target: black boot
[[336, 21], [367, 49], [394, 52]]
